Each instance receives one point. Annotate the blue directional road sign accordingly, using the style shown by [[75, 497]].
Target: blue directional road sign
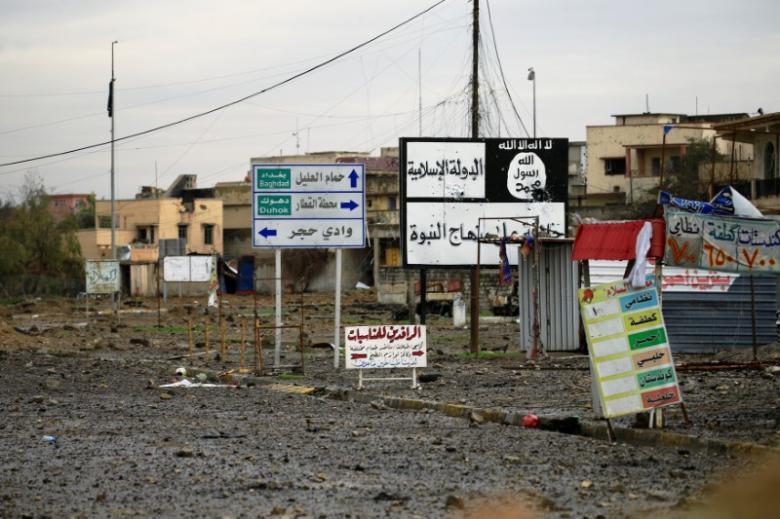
[[308, 206]]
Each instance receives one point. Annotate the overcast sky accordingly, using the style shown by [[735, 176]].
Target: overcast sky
[[174, 59]]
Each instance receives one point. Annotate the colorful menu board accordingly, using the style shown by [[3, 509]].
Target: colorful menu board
[[629, 349]]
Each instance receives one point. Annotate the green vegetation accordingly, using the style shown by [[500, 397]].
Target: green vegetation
[[174, 329], [37, 249], [687, 177], [289, 376]]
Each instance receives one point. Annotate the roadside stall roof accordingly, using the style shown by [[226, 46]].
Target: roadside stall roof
[[615, 240]]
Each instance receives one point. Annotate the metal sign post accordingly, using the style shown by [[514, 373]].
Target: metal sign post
[[337, 312], [308, 206], [278, 282]]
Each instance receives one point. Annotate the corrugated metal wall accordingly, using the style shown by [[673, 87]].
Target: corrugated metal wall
[[708, 321], [558, 283]]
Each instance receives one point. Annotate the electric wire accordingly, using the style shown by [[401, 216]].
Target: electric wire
[[501, 69], [236, 101]]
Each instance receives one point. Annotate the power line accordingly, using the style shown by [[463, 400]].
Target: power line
[[237, 101], [501, 69], [162, 85]]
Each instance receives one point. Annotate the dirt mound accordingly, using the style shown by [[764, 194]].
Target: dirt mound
[[9, 338], [766, 353]]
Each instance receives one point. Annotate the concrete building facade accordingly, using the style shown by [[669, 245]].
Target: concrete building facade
[[625, 157], [142, 223], [763, 134]]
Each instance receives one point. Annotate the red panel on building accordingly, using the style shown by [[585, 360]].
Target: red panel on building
[[615, 240]]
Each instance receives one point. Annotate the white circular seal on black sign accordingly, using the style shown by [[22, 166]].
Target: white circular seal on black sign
[[526, 176]]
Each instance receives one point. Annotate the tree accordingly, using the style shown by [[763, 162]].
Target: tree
[[681, 178], [85, 216], [684, 179], [32, 241]]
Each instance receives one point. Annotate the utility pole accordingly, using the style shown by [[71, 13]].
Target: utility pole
[[114, 302], [475, 135], [113, 193]]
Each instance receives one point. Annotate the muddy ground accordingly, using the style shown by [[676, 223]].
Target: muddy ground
[[125, 448]]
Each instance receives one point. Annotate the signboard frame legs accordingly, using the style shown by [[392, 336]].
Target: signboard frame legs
[[413, 378]]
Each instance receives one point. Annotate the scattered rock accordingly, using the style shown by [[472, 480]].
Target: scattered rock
[[260, 484], [427, 378], [165, 396], [278, 510], [455, 502], [52, 384], [37, 399], [586, 484], [617, 488], [659, 495], [185, 452], [511, 459], [141, 341]]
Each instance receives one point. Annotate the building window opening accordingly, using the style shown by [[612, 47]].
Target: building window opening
[[208, 234], [770, 169], [615, 166]]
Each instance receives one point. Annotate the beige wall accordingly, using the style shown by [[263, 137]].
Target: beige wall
[[96, 243], [610, 142], [760, 144], [233, 193], [634, 119], [164, 215], [236, 199]]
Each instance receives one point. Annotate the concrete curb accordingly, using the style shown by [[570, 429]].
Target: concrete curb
[[565, 425]]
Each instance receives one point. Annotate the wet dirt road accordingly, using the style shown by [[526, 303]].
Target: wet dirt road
[[123, 450]]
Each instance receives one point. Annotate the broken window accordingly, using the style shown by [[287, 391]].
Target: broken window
[[208, 234], [615, 166], [183, 231]]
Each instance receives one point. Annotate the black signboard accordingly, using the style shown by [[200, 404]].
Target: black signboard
[[447, 185]]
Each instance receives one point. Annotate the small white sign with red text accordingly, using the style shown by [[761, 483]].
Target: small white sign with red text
[[385, 346]]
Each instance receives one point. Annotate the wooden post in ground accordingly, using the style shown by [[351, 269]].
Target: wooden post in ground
[[258, 348], [189, 338], [221, 325], [242, 348], [206, 339]]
